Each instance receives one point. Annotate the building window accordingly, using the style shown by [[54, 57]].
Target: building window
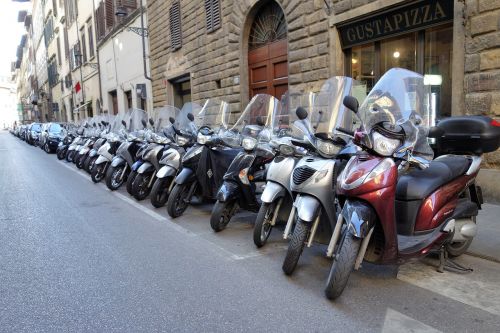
[[48, 31], [84, 45], [91, 39], [100, 22], [71, 11], [128, 99], [182, 90], [66, 44], [59, 60], [76, 57], [52, 71], [110, 13], [212, 11], [175, 27]]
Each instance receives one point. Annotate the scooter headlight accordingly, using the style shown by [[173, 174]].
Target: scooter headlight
[[384, 145], [249, 143], [286, 150], [351, 178], [203, 139], [182, 140], [326, 148]]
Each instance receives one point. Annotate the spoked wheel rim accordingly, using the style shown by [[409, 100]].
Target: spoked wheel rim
[[115, 177], [92, 163], [143, 186], [98, 174], [265, 231], [162, 195], [181, 202]]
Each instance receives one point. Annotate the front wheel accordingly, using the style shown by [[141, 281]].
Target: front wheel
[[140, 186], [221, 214], [178, 200], [160, 191], [296, 246], [70, 155], [89, 163], [342, 266], [80, 160], [98, 172], [263, 227], [114, 177], [46, 148], [61, 153], [130, 182]]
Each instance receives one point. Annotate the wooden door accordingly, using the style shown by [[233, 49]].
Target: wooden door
[[268, 69]]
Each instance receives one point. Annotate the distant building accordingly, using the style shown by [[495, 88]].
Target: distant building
[[8, 103]]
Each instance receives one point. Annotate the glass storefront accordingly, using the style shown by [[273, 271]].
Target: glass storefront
[[427, 51]]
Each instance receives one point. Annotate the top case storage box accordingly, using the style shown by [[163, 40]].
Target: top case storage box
[[469, 135]]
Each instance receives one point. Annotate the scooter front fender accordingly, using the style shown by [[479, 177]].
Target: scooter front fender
[[307, 207], [360, 217], [272, 192], [101, 159], [228, 191], [93, 153], [166, 171], [117, 161], [137, 165], [185, 176], [145, 167]]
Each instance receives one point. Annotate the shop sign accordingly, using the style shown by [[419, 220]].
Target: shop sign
[[396, 21]]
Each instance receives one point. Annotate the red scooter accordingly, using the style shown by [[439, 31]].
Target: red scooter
[[398, 203]]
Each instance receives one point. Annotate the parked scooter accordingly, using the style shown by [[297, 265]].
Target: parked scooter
[[436, 202], [277, 198], [93, 136], [183, 132], [107, 122], [121, 166], [158, 142], [204, 164], [70, 134], [253, 132], [79, 140], [314, 178]]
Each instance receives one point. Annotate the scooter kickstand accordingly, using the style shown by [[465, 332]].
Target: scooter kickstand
[[443, 256], [446, 263]]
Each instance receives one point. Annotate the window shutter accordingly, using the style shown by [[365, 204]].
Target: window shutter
[[175, 27], [213, 15], [100, 22], [131, 4], [110, 13]]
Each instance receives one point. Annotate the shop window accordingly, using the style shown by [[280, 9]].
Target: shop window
[[398, 52], [128, 99]]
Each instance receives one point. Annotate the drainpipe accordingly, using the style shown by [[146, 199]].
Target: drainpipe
[[144, 45], [97, 54]]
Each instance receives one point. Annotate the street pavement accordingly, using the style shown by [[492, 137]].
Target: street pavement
[[76, 257]]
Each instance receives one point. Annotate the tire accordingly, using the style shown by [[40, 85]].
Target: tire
[[130, 181], [89, 163], [61, 154], [456, 249], [342, 266], [80, 160], [70, 155], [296, 246], [221, 214], [140, 187], [177, 200], [98, 172], [263, 227], [160, 191], [46, 148], [113, 181]]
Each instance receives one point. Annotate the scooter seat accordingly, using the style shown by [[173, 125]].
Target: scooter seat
[[418, 184]]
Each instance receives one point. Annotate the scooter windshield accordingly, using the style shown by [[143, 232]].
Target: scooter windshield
[[402, 100], [285, 120], [255, 121], [161, 117], [136, 120], [328, 111], [214, 114], [182, 122]]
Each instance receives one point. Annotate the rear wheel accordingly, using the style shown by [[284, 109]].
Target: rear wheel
[[296, 246], [221, 214], [98, 172], [342, 266], [114, 177], [70, 155], [140, 186], [456, 249], [130, 181], [89, 163], [160, 191], [178, 200], [263, 227], [46, 148], [80, 161], [61, 153]]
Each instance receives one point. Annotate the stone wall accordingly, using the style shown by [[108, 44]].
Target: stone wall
[[217, 61], [482, 62]]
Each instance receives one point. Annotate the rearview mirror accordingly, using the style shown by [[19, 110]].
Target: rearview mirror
[[301, 113], [151, 122], [124, 123], [172, 120], [260, 121], [351, 103], [190, 116], [144, 124]]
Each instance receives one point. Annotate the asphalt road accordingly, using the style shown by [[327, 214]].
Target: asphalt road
[[76, 257]]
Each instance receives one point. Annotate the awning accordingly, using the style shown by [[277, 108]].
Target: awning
[[76, 110]]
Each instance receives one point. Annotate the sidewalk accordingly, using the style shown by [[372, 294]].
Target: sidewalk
[[486, 244]]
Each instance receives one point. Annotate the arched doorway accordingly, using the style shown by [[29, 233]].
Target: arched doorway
[[267, 52]]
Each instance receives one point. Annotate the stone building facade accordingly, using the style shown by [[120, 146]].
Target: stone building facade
[[216, 62]]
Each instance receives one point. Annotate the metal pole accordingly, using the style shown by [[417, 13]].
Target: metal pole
[[97, 52], [144, 45]]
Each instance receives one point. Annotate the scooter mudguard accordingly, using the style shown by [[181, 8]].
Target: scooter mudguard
[[101, 160], [93, 153], [360, 217], [308, 207], [145, 167], [272, 192], [117, 161], [228, 191], [186, 175], [137, 165], [166, 171]]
